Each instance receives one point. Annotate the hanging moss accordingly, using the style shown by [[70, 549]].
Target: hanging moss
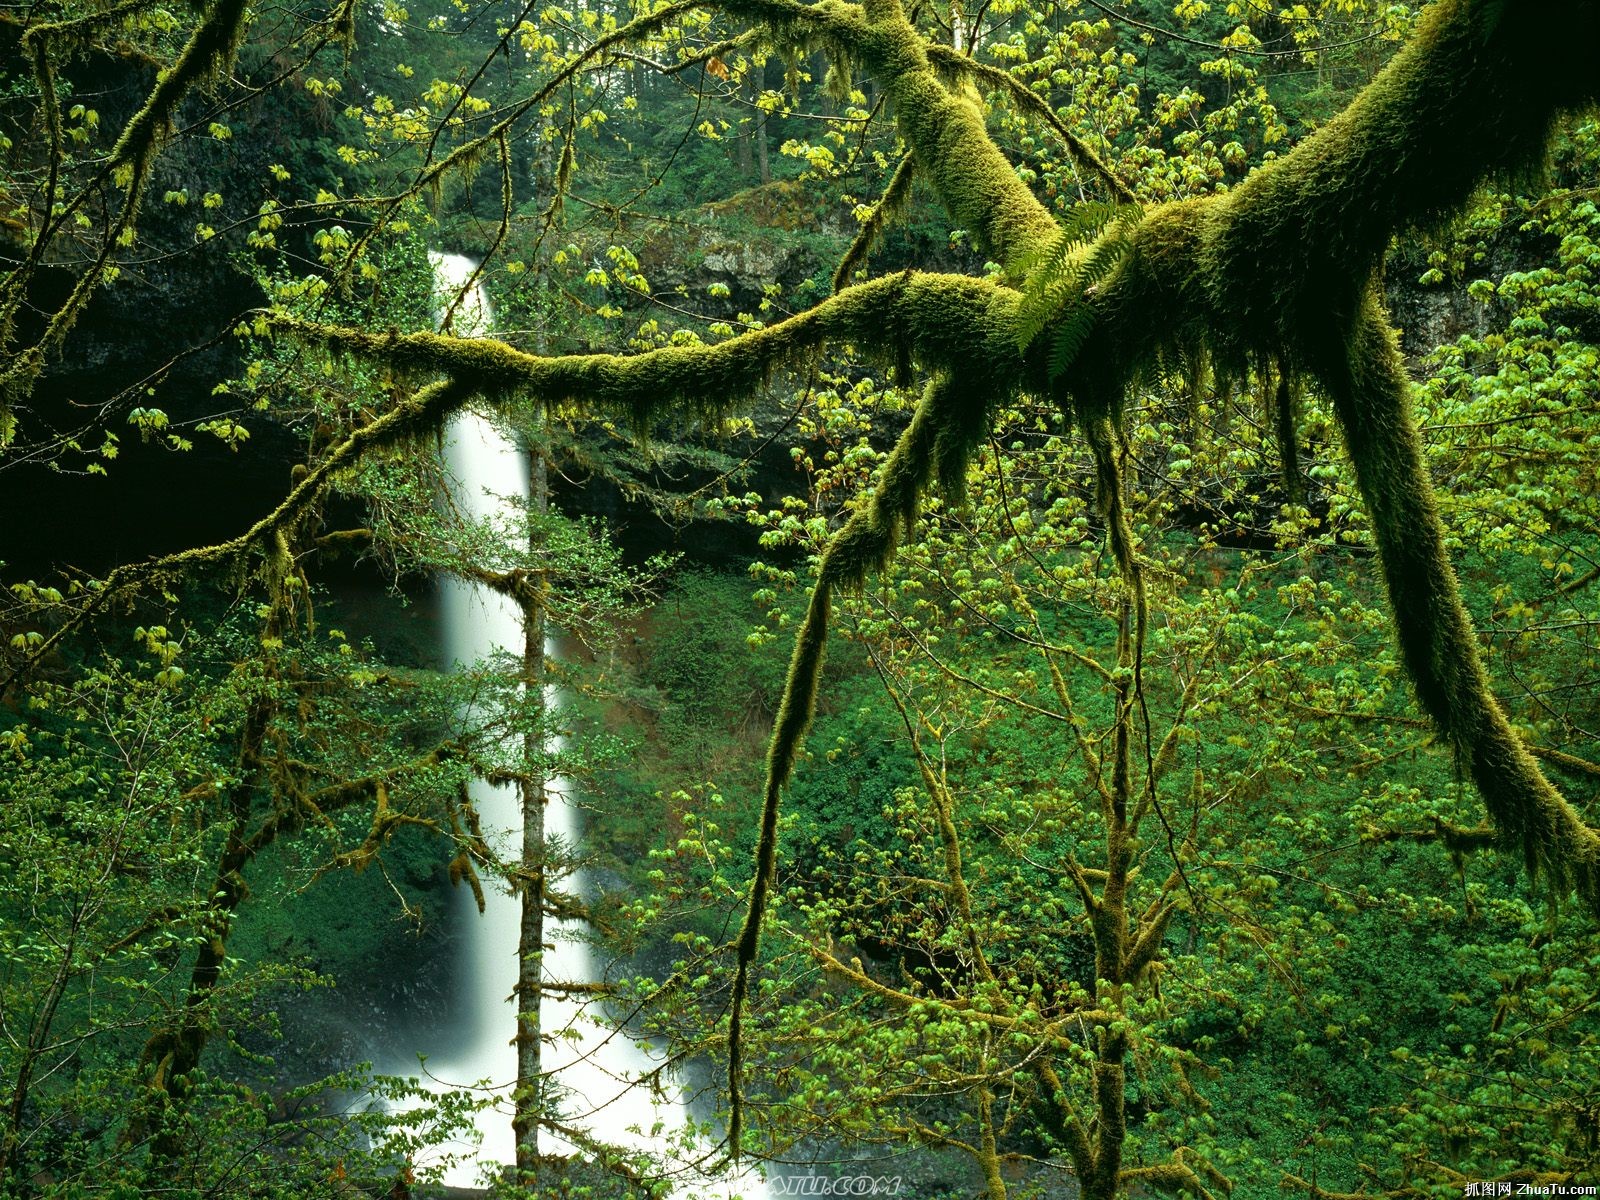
[[939, 321], [1439, 647], [1279, 270], [890, 207], [208, 53]]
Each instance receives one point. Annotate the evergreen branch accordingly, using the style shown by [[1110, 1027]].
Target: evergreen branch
[[1093, 242]]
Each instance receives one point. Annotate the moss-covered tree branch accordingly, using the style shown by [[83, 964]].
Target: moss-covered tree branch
[[208, 51]]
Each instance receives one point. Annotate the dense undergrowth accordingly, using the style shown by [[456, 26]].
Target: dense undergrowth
[[1116, 820]]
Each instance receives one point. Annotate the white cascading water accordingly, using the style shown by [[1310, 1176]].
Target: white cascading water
[[594, 1066]]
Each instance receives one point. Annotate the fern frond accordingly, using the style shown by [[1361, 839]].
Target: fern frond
[[1071, 333], [1079, 228], [1093, 241]]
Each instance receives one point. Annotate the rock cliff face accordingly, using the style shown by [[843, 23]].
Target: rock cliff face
[[1432, 316], [782, 235], [158, 336]]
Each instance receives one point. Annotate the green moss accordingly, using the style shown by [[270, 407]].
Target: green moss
[[1283, 269], [1279, 270], [1437, 641]]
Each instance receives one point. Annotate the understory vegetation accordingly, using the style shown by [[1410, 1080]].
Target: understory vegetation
[[1072, 541]]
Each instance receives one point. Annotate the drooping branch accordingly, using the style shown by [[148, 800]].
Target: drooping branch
[[1437, 642], [209, 50], [1282, 268], [889, 207], [948, 426], [938, 320]]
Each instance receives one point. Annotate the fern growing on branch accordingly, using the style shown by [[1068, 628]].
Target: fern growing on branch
[[1094, 239]]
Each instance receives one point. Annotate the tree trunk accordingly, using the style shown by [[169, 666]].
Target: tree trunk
[[529, 1092], [758, 84], [746, 156]]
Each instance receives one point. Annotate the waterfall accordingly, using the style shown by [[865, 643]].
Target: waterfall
[[593, 1065]]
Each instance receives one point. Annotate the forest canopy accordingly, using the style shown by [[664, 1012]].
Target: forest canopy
[[1210, 684]]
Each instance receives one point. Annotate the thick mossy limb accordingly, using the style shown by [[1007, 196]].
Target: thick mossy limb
[[943, 322], [1034, 105], [943, 125], [946, 133], [1367, 385], [1282, 268], [1282, 262], [1474, 94], [788, 735], [951, 420]]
